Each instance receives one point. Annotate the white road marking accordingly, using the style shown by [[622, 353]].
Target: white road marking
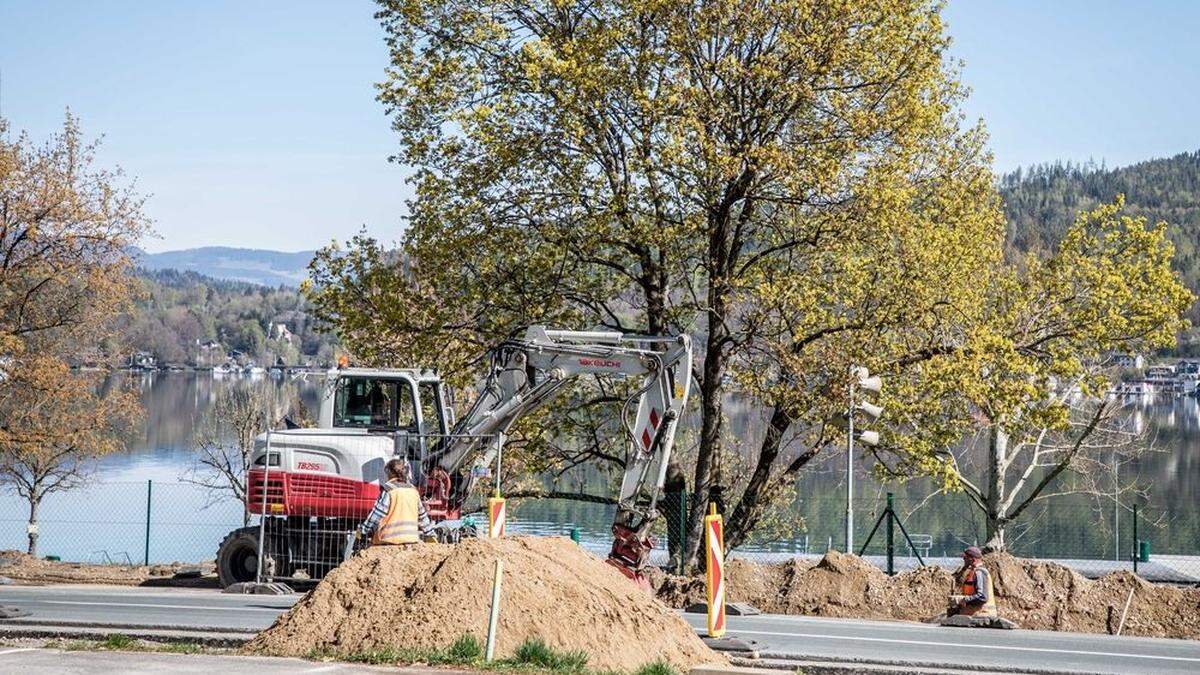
[[276, 610], [973, 646], [15, 651]]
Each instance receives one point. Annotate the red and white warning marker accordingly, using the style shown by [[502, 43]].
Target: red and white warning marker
[[497, 517], [714, 537]]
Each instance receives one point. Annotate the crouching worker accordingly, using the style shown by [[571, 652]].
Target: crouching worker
[[399, 516], [975, 596]]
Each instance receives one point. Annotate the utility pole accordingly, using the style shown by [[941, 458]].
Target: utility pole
[[860, 379]]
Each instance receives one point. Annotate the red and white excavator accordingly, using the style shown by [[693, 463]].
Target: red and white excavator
[[312, 486]]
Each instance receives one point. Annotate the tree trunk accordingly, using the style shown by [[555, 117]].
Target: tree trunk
[[995, 497], [995, 533], [712, 390], [34, 502]]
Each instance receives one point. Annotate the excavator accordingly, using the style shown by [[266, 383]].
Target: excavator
[[313, 486]]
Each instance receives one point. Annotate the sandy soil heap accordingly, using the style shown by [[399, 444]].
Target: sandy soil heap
[[1053, 597], [1035, 595], [428, 596], [838, 585], [23, 568]]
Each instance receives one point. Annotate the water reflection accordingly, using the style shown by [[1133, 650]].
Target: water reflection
[[177, 403]]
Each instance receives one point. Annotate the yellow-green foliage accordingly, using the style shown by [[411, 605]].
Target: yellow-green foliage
[[787, 180]]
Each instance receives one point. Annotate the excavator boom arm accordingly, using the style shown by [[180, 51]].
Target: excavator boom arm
[[528, 372]]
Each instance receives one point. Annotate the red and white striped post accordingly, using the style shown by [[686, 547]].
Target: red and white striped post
[[497, 516], [714, 538]]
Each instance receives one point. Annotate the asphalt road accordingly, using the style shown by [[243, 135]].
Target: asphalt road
[[896, 642], [120, 605], [791, 636], [55, 662]]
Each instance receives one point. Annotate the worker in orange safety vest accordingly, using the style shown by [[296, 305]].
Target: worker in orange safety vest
[[399, 516], [975, 595]]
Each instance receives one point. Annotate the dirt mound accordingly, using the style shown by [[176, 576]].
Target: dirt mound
[[1036, 595], [838, 585], [1049, 596], [23, 568], [428, 596]]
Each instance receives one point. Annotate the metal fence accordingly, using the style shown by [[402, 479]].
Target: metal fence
[[162, 522], [125, 522]]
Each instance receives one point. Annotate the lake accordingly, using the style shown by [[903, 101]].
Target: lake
[[107, 520]]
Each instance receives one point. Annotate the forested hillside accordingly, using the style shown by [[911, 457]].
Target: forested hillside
[[1042, 201], [256, 266], [182, 314]]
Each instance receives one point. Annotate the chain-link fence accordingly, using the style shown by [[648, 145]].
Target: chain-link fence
[[124, 522], [161, 522]]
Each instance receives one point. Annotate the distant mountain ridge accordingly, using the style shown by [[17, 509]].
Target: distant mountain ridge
[[251, 265]]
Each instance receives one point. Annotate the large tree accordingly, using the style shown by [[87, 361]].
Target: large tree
[[1032, 381], [784, 180], [53, 426], [66, 227]]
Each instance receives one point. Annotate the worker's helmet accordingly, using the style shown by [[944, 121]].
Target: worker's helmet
[[973, 553]]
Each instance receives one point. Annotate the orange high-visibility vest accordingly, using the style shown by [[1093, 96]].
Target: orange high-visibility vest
[[969, 586], [400, 525]]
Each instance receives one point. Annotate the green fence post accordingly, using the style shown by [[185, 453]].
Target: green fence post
[[1135, 538], [891, 537], [149, 493]]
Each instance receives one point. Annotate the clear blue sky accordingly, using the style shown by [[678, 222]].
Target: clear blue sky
[[254, 123]]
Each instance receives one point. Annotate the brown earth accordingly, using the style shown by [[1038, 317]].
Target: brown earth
[[839, 585], [25, 569], [1036, 595], [429, 595]]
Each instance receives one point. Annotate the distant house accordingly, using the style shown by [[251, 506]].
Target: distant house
[[1135, 361], [142, 361], [279, 331], [209, 353], [1187, 367], [1160, 372]]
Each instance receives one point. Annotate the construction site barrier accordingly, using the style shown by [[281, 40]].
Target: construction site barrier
[[497, 517], [314, 514], [714, 536]]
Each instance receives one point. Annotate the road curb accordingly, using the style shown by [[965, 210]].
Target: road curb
[[212, 638], [731, 670], [64, 623]]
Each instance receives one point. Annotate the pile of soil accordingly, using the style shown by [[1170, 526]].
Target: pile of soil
[[25, 569], [427, 596], [839, 585], [1035, 595], [1052, 597]]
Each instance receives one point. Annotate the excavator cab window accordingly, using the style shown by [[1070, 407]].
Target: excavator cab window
[[431, 409], [371, 403]]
